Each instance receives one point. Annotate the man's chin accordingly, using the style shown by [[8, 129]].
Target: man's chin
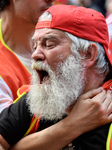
[[53, 118], [50, 114]]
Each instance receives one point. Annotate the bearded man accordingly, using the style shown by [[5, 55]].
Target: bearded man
[[69, 60]]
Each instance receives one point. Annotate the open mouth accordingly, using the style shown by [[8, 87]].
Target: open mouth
[[43, 76]]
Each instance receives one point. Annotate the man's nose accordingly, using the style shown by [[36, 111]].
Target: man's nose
[[38, 54]]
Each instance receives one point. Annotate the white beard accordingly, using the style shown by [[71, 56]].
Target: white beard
[[51, 100]]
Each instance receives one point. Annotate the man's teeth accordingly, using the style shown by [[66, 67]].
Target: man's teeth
[[45, 79]]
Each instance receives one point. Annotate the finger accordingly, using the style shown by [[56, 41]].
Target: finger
[[100, 97], [109, 118], [109, 108], [108, 100], [91, 93], [109, 111]]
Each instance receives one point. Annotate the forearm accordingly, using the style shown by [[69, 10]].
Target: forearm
[[52, 138], [6, 97], [87, 114]]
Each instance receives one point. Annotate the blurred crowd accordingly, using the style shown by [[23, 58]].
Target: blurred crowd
[[103, 6]]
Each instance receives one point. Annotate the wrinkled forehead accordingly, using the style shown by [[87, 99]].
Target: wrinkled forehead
[[39, 33]]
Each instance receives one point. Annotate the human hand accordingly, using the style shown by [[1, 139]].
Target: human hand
[[91, 110]]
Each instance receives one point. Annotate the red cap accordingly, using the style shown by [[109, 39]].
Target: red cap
[[82, 22]]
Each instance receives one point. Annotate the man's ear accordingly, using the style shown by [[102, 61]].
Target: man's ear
[[91, 55]]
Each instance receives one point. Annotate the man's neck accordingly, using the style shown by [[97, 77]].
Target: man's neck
[[17, 35], [93, 80]]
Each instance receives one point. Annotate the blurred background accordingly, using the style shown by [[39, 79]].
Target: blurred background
[[103, 6]]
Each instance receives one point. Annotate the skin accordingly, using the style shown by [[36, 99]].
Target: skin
[[91, 105], [57, 49], [50, 47], [93, 108], [21, 17], [18, 24]]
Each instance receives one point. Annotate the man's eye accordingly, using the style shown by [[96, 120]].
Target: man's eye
[[50, 44]]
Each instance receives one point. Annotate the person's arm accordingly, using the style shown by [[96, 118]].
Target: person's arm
[[3, 144], [6, 97], [89, 112]]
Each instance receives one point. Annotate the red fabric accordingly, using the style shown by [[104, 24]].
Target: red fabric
[[12, 70], [107, 85], [36, 125], [111, 143], [80, 21], [109, 54], [24, 89], [110, 46]]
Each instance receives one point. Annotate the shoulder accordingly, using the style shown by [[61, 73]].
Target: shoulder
[[15, 121], [6, 97]]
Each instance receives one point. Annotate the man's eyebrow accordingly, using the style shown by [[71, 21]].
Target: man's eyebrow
[[45, 37], [49, 37]]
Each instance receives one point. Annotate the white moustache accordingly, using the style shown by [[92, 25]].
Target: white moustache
[[40, 66]]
